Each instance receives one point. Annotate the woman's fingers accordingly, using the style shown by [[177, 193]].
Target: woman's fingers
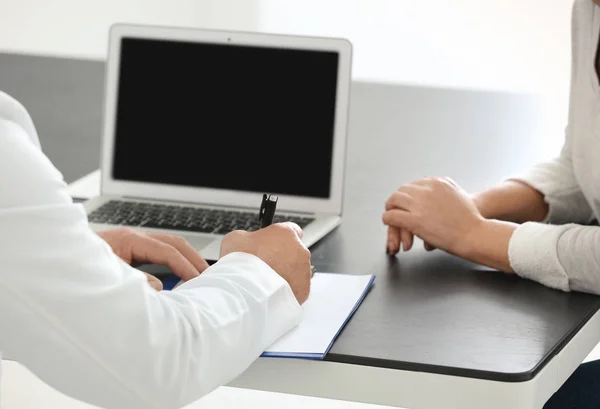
[[407, 239], [428, 246], [393, 240], [399, 239], [398, 200]]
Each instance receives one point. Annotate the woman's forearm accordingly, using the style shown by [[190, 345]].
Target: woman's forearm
[[512, 201], [488, 244], [504, 205]]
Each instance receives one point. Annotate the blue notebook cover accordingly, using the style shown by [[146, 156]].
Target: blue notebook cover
[[169, 281]]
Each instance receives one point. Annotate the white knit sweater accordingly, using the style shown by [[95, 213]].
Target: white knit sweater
[[564, 253]]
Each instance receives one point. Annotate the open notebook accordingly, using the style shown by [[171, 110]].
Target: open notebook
[[332, 301]]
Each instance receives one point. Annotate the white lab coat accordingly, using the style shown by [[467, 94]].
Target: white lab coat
[[89, 325]]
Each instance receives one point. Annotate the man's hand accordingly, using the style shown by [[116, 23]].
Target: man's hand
[[279, 246], [136, 247]]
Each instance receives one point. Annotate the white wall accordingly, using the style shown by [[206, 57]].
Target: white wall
[[509, 45], [79, 28], [506, 45], [515, 45]]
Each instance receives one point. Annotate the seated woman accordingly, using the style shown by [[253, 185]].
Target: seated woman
[[537, 226]]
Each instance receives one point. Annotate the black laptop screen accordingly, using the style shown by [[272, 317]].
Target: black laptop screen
[[226, 116]]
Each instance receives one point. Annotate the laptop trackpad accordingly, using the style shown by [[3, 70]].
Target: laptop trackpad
[[211, 251], [200, 243]]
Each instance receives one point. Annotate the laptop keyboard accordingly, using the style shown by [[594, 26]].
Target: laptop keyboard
[[172, 217]]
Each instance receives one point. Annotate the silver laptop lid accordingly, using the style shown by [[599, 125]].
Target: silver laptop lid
[[221, 117]]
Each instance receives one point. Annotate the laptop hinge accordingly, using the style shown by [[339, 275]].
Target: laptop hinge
[[210, 205]]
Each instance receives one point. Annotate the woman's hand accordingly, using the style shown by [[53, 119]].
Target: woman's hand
[[136, 247], [435, 209], [401, 239]]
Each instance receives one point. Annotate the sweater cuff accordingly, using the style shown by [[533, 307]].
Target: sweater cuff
[[533, 254], [564, 206]]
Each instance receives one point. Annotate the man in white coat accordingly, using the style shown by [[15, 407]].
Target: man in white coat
[[74, 311]]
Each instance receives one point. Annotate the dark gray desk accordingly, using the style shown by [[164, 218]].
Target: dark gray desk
[[428, 314]]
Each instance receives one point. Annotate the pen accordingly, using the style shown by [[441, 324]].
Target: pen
[[267, 210], [266, 214]]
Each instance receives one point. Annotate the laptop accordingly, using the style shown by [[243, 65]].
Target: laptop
[[199, 124]]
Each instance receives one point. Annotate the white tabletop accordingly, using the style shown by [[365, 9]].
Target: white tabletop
[[22, 390]]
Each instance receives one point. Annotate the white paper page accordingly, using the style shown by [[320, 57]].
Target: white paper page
[[332, 299], [86, 187]]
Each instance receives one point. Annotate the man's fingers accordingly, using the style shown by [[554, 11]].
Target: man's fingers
[[294, 227], [398, 218], [428, 247], [184, 248], [154, 282], [146, 248]]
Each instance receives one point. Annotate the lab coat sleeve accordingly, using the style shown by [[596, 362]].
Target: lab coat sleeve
[[89, 325]]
